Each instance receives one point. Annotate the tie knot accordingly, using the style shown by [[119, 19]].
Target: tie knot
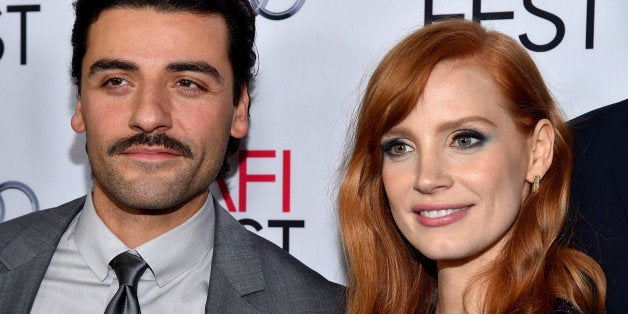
[[129, 268]]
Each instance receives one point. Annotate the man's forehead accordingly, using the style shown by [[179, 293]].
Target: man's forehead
[[117, 16], [123, 30], [145, 40]]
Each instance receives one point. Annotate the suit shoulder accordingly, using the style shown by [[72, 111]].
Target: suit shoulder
[[9, 229], [614, 116], [278, 259], [252, 264], [287, 275]]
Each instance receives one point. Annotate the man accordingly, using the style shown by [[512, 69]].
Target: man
[[163, 98], [599, 195]]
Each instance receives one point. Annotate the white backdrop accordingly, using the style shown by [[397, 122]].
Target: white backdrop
[[313, 67]]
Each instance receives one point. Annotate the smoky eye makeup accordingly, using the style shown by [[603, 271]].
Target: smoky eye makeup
[[468, 139], [395, 147]]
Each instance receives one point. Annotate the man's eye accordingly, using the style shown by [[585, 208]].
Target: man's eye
[[190, 87], [187, 83], [116, 81]]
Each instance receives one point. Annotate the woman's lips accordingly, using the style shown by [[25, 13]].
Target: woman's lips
[[441, 214]]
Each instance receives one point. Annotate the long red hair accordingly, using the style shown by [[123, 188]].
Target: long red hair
[[386, 274]]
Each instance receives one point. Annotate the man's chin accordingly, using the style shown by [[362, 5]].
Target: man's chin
[[149, 204], [149, 198]]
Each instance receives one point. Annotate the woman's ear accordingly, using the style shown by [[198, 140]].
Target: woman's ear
[[541, 150]]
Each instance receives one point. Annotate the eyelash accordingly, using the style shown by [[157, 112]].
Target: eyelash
[[477, 139], [190, 86], [388, 146], [114, 83], [110, 86]]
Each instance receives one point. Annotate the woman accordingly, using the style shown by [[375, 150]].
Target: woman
[[456, 190]]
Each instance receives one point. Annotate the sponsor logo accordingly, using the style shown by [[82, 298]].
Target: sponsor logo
[[23, 11], [261, 8], [22, 188], [479, 15]]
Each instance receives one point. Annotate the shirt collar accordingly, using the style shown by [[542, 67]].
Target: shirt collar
[[168, 255]]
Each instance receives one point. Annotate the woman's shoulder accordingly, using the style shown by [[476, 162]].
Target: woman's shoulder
[[563, 306]]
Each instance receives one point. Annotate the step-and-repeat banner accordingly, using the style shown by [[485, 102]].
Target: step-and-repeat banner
[[315, 57]]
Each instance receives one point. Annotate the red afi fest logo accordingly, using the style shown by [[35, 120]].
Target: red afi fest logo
[[244, 178]]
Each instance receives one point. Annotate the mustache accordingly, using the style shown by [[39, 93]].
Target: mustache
[[159, 139]]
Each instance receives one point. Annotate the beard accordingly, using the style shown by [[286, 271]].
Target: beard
[[153, 188]]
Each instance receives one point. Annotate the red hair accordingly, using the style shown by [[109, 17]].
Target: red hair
[[536, 266]]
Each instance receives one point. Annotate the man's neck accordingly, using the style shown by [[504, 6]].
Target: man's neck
[[134, 227]]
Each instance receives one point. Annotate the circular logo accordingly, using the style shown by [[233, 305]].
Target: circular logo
[[20, 187], [260, 7]]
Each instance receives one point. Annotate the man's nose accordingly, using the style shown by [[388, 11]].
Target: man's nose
[[151, 110]]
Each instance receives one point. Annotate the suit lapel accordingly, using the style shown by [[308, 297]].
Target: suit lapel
[[236, 269], [27, 257]]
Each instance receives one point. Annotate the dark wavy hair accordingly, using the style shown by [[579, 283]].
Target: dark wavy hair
[[239, 17]]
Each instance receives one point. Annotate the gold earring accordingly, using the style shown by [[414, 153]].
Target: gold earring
[[536, 184]]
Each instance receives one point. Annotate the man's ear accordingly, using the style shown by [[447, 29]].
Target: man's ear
[[240, 123], [78, 122], [541, 150]]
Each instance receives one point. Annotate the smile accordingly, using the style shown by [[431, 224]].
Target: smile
[[440, 213]]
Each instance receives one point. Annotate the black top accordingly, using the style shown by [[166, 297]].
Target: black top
[[563, 306], [560, 306]]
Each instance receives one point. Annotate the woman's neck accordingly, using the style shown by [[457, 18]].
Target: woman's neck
[[453, 280], [455, 277]]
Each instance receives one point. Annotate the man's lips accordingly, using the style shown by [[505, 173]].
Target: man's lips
[[150, 152], [145, 144]]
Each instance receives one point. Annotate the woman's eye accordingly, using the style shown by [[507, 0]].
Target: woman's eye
[[395, 148], [466, 139]]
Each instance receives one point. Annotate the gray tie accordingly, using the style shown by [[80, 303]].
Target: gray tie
[[129, 268]]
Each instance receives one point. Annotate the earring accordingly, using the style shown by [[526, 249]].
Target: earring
[[536, 184]]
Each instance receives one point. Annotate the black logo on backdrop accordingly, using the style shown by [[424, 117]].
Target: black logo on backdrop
[[261, 8], [22, 188], [23, 10], [558, 23]]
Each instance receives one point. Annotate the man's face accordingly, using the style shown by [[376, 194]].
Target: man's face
[[157, 106]]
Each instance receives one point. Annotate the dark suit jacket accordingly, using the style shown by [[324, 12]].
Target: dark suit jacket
[[249, 274], [599, 195]]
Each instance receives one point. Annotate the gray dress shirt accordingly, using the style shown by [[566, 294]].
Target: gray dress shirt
[[80, 280]]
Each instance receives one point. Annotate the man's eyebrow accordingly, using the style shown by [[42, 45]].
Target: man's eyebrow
[[195, 66], [111, 64]]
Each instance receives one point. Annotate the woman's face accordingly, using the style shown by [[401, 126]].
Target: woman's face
[[455, 168]]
